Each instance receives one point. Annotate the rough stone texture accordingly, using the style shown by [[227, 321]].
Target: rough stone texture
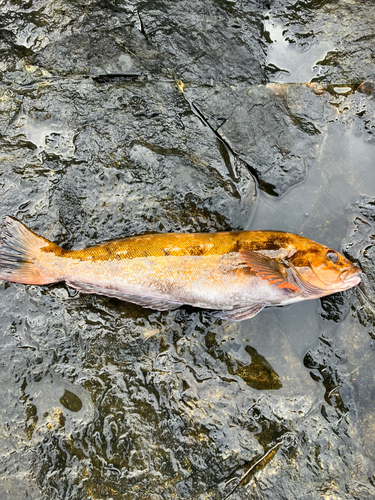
[[361, 248], [119, 118], [273, 129]]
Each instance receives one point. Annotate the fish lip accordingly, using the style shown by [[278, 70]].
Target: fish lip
[[351, 275], [348, 276]]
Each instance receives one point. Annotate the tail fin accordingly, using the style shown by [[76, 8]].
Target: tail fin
[[21, 257]]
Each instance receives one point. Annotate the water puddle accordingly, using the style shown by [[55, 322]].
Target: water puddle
[[47, 133], [289, 62], [320, 207], [57, 404], [282, 335]]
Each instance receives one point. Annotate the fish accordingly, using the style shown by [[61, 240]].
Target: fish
[[232, 274]]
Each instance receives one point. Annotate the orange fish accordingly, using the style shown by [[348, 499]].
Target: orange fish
[[235, 274]]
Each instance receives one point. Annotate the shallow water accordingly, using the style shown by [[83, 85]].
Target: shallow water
[[290, 62], [321, 207], [125, 118]]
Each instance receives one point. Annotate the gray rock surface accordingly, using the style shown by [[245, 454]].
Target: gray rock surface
[[119, 118]]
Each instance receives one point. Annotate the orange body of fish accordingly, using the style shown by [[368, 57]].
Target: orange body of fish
[[234, 274]]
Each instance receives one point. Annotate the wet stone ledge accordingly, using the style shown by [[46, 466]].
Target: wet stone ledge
[[132, 117]]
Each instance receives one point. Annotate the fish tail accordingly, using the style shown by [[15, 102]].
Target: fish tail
[[20, 252]]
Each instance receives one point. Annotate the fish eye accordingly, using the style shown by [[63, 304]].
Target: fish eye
[[332, 256]]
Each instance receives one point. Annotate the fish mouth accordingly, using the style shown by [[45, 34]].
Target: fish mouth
[[351, 275]]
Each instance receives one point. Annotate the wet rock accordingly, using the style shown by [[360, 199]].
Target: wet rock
[[343, 28], [361, 248], [207, 42], [89, 55], [118, 119], [350, 345], [124, 159], [276, 130]]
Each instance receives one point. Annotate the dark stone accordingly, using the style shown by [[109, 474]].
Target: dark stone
[[118, 118]]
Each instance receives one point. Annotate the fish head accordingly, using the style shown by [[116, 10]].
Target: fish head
[[325, 271]]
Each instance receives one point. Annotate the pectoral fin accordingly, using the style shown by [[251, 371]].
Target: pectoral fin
[[268, 269], [240, 313], [150, 302]]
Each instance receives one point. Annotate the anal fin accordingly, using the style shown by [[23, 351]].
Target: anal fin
[[240, 313], [148, 302]]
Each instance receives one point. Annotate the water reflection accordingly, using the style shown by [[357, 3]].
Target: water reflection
[[342, 174], [289, 61], [54, 403], [71, 401], [245, 362]]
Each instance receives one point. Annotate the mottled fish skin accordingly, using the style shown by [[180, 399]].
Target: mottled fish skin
[[238, 271]]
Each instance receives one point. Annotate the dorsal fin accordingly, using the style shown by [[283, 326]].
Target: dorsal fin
[[268, 269]]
